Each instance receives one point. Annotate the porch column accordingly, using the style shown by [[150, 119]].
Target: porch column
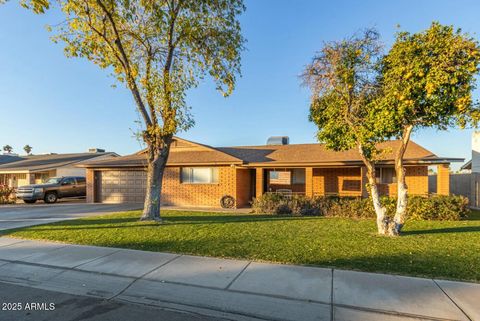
[[309, 181], [90, 177], [259, 183], [30, 178], [364, 181], [443, 179]]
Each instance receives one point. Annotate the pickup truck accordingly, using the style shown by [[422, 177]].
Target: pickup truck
[[53, 189]]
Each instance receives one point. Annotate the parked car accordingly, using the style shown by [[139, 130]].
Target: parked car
[[53, 189]]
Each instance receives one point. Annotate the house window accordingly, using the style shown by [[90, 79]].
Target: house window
[[385, 175], [298, 176], [199, 175]]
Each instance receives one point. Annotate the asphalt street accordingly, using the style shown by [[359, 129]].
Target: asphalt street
[[18, 303]]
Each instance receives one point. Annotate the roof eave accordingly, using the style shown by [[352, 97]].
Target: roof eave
[[436, 161], [106, 166]]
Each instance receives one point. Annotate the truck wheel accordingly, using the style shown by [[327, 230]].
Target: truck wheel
[[50, 197], [29, 201]]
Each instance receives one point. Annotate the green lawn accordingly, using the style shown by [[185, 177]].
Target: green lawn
[[445, 249]]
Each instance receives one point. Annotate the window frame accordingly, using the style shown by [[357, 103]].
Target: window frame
[[213, 176], [380, 179], [295, 177]]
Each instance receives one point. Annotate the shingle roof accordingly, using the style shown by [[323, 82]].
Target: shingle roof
[[269, 155], [50, 161], [318, 153], [175, 158]]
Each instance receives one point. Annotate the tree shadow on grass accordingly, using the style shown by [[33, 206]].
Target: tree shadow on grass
[[459, 229]]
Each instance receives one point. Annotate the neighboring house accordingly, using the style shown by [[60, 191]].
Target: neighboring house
[[467, 182], [200, 175], [467, 167], [38, 168], [9, 158]]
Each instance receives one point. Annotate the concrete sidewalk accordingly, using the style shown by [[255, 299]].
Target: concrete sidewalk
[[233, 289]]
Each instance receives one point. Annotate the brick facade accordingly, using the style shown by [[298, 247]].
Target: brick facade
[[352, 181], [337, 181], [119, 186], [176, 193], [309, 181], [259, 177], [416, 178], [443, 180], [243, 184]]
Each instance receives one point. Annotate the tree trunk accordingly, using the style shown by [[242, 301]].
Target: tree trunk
[[402, 189], [156, 166], [383, 222]]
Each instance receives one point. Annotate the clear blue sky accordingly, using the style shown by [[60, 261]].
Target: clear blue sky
[[61, 105]]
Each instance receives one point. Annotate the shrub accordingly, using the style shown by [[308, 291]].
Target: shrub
[[433, 208], [270, 203], [6, 195], [440, 208]]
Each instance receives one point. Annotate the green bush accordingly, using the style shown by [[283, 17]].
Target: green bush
[[6, 195], [441, 208], [423, 208]]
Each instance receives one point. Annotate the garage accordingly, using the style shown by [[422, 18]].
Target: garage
[[120, 186]]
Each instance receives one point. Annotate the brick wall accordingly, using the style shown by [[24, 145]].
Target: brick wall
[[340, 181], [176, 193], [238, 183], [349, 181], [259, 177], [416, 178], [443, 180], [309, 181]]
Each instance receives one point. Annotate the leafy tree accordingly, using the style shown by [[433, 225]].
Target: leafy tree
[[159, 49], [27, 149], [7, 149], [427, 81], [343, 80]]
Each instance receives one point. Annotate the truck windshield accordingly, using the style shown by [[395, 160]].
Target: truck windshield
[[53, 180]]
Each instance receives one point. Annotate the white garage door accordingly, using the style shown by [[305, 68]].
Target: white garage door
[[122, 186]]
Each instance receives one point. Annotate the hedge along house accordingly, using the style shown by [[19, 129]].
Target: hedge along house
[[200, 175], [35, 169]]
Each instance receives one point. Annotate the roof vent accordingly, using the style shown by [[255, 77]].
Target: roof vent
[[96, 150], [278, 140]]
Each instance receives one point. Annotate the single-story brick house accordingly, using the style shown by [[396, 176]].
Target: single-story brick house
[[200, 175], [34, 169]]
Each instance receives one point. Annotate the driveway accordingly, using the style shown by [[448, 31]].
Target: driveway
[[21, 215]]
